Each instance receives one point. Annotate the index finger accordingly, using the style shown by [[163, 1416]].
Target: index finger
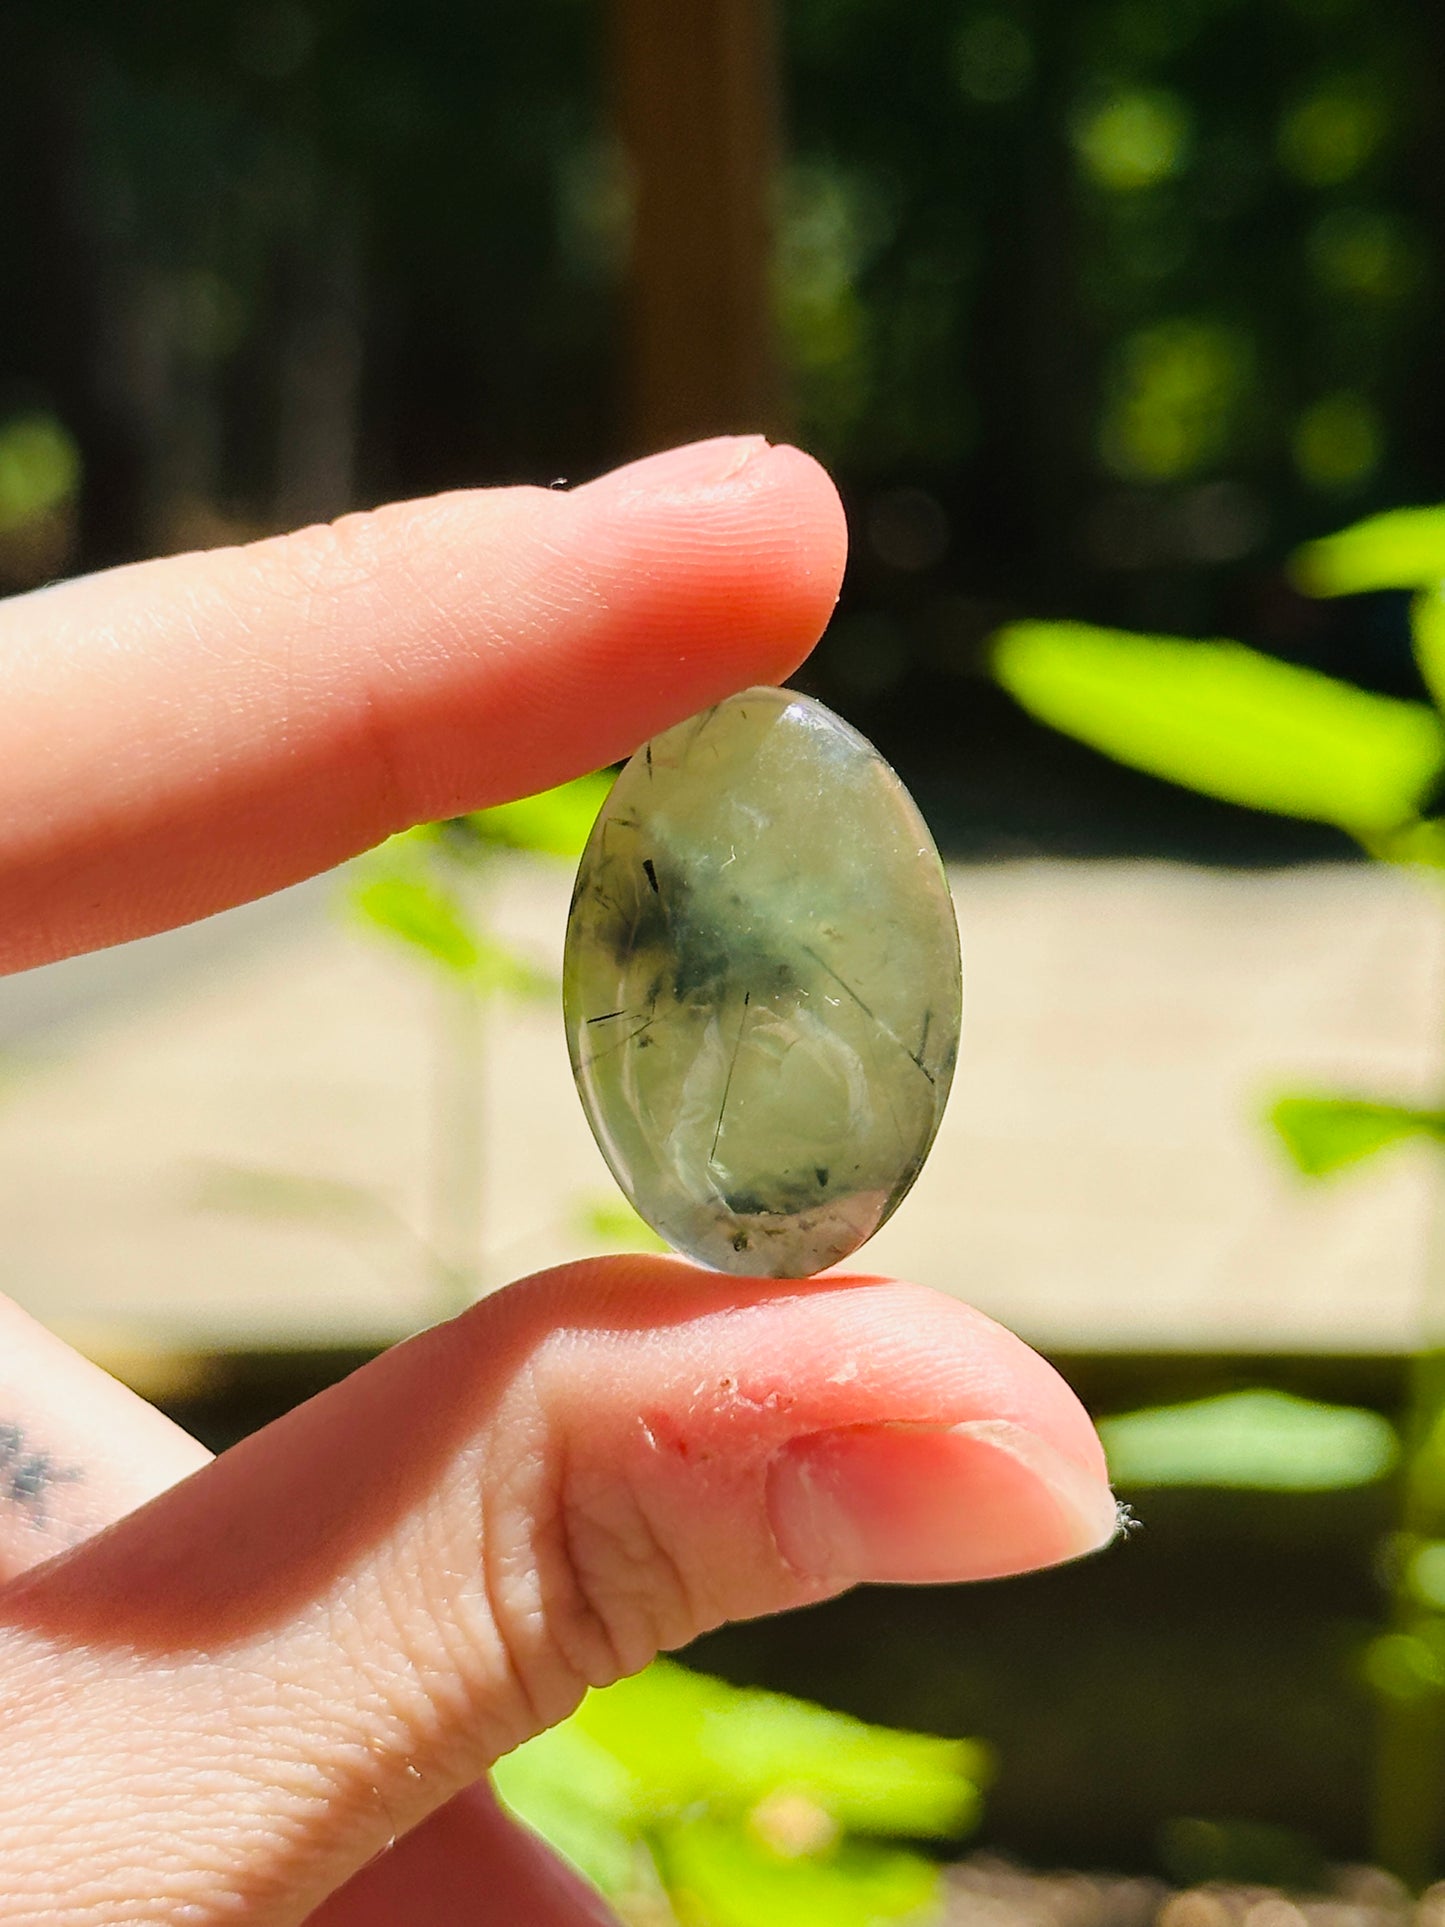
[[182, 735]]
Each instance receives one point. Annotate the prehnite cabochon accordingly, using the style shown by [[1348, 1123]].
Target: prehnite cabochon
[[762, 986]]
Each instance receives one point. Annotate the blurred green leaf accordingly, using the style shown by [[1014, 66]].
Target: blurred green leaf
[[1261, 1441], [1427, 630], [39, 469], [1230, 722], [404, 898], [740, 1800], [612, 1221], [1325, 1134], [422, 914], [687, 1738], [555, 822], [718, 1876], [581, 1799], [1401, 549], [1421, 845]]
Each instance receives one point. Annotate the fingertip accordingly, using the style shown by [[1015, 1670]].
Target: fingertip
[[733, 548], [819, 506], [819, 530]]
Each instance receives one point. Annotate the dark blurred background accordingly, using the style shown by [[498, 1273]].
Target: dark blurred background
[[1095, 307]]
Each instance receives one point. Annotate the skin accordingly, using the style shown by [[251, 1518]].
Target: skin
[[266, 1688]]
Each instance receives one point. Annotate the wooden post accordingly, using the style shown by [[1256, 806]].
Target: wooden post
[[696, 92]]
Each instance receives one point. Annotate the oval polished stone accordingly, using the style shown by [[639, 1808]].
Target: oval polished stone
[[762, 986]]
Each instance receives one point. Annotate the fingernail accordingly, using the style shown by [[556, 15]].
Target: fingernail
[[914, 1505], [697, 465]]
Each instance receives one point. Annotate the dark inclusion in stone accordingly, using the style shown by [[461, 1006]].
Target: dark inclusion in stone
[[762, 986]]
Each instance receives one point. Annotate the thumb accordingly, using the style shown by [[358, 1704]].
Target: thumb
[[302, 1650]]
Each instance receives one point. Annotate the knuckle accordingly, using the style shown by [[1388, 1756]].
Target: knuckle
[[596, 1596], [628, 1582]]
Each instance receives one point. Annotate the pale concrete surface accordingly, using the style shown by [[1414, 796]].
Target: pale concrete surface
[[223, 1136]]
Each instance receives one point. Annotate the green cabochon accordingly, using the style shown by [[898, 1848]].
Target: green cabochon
[[762, 986]]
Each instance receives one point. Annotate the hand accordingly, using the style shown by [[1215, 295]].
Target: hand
[[227, 1703]]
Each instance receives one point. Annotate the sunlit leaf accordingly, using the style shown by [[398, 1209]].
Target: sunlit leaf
[[1419, 845], [580, 1798], [741, 1802], [1325, 1134], [1263, 1441], [406, 897], [39, 469], [1427, 630], [612, 1221], [1230, 722], [687, 1738], [1401, 549], [719, 1876], [555, 822], [421, 914]]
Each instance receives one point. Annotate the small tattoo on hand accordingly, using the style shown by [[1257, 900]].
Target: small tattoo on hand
[[27, 1475]]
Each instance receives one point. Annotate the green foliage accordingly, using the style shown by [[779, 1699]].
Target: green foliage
[[413, 908], [1325, 1134], [1427, 632], [414, 887], [581, 1799], [405, 902], [721, 1876], [555, 822], [39, 469], [1237, 725], [1420, 845], [1230, 722], [689, 1738], [1401, 549], [751, 1807], [611, 1220], [1259, 1441]]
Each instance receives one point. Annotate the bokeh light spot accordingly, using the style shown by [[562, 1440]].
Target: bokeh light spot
[[1133, 140], [1364, 254], [1328, 136], [39, 469], [1174, 399], [1338, 441], [995, 59]]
